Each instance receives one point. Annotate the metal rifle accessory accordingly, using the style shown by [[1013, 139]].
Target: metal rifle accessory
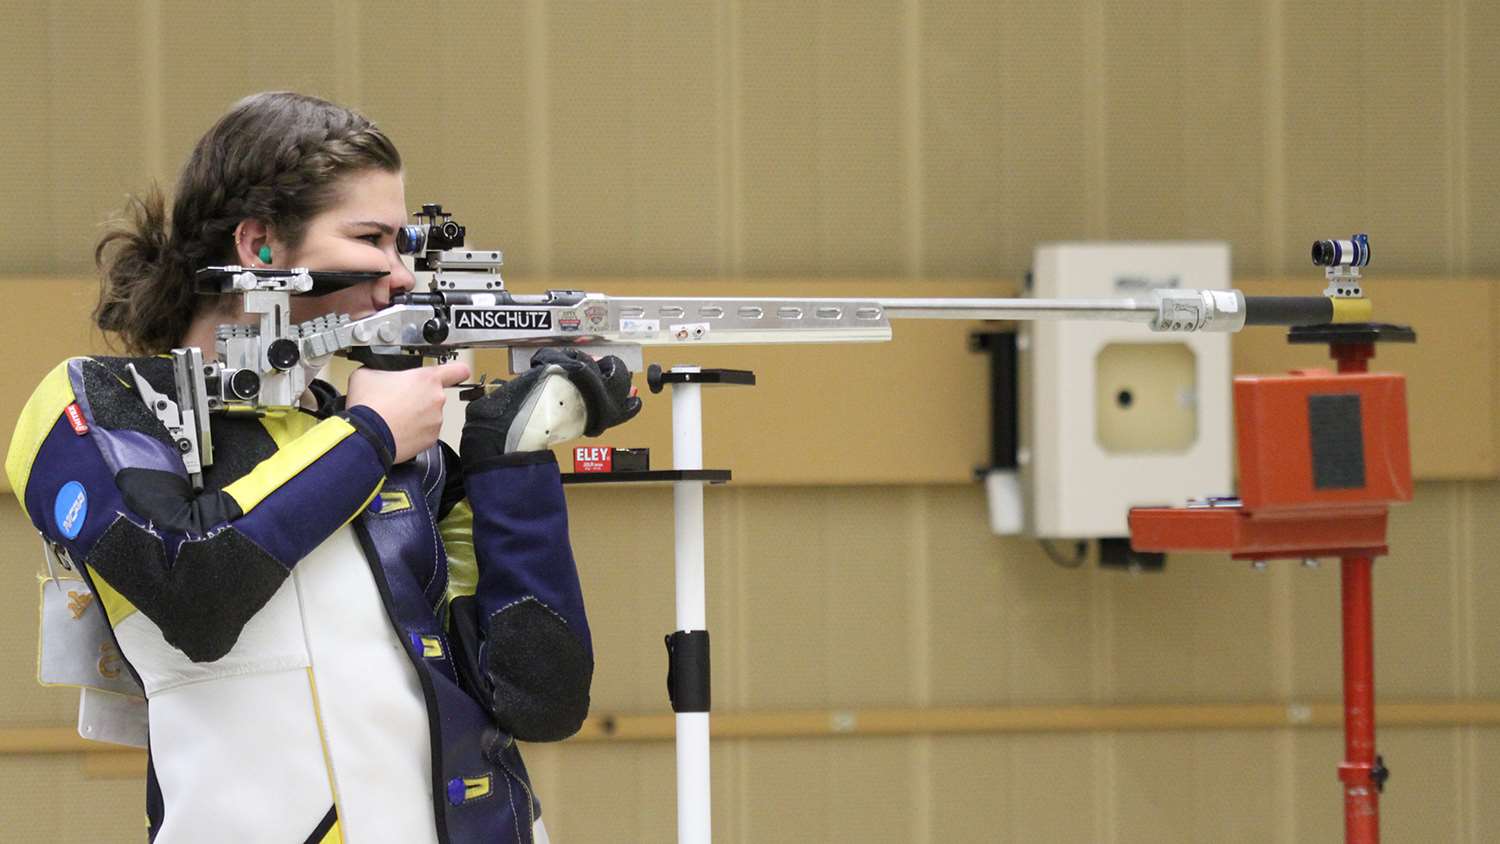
[[264, 368], [181, 425], [1341, 260], [434, 230]]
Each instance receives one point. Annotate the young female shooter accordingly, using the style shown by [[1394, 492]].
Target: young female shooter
[[342, 636]]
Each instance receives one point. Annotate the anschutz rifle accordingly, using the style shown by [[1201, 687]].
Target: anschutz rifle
[[263, 369]]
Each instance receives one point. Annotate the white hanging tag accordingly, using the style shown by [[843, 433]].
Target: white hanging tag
[[75, 644], [117, 719]]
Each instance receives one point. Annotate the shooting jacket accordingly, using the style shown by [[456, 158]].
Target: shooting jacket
[[332, 648]]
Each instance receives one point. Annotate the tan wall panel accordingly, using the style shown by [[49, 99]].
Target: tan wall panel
[[458, 113], [1176, 637], [633, 152], [826, 609], [210, 57], [25, 135], [1476, 181], [798, 791], [45, 799], [1184, 134], [609, 796], [1429, 813], [1034, 617], [1476, 600], [1185, 787], [1004, 149], [1481, 757], [73, 135], [1379, 165], [821, 172], [1416, 588]]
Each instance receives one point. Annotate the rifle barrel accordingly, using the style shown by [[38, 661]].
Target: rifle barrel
[[1126, 310]]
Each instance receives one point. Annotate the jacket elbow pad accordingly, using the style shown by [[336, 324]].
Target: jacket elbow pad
[[539, 672]]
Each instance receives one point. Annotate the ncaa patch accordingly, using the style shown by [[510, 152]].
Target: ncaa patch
[[70, 509]]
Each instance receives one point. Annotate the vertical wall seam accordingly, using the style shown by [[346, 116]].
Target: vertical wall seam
[[346, 52], [1456, 73], [731, 231], [1095, 120], [741, 648], [920, 627], [538, 115], [1106, 817], [1466, 788], [151, 82], [912, 125], [1283, 636], [1274, 261]]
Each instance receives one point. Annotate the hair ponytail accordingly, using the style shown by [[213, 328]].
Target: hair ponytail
[[275, 157], [137, 299]]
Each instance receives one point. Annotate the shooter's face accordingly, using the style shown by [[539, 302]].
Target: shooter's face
[[358, 232]]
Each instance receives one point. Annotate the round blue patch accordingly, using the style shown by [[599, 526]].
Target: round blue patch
[[70, 509]]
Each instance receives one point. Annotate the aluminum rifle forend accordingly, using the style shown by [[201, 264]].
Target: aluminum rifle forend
[[440, 324]]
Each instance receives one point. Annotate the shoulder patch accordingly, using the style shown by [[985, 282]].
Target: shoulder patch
[[70, 509], [75, 418], [113, 401]]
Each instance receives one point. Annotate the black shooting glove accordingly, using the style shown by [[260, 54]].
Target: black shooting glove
[[563, 395], [605, 385]]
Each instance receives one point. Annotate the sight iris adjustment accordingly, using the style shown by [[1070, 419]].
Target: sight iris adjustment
[[434, 231], [1354, 252]]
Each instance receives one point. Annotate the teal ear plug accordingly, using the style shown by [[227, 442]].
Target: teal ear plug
[[265, 255]]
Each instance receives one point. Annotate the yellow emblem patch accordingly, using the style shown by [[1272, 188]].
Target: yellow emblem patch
[[476, 787], [109, 660], [391, 501], [78, 602], [432, 647]]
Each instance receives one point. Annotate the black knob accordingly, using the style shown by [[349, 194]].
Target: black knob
[[653, 377], [435, 330], [244, 384], [283, 354], [1380, 773]]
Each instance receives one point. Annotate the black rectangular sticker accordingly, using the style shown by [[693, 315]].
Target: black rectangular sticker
[[1338, 442], [502, 319]]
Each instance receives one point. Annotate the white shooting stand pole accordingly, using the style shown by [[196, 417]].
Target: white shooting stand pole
[[693, 815]]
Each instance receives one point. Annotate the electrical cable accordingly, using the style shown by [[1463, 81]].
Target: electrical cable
[[1080, 553]]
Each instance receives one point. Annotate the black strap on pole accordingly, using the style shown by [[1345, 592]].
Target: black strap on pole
[[688, 670]]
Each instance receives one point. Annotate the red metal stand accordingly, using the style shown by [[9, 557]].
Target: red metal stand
[[1321, 458], [1361, 772]]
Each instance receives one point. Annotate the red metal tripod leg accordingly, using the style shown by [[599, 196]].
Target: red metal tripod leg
[[1360, 772]]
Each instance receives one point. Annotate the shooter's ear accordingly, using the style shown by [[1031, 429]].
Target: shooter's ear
[[250, 236]]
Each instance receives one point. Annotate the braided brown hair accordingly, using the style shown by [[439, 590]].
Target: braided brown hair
[[276, 157]]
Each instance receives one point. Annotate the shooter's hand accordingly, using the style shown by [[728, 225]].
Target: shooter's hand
[[410, 402], [562, 396], [605, 385]]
